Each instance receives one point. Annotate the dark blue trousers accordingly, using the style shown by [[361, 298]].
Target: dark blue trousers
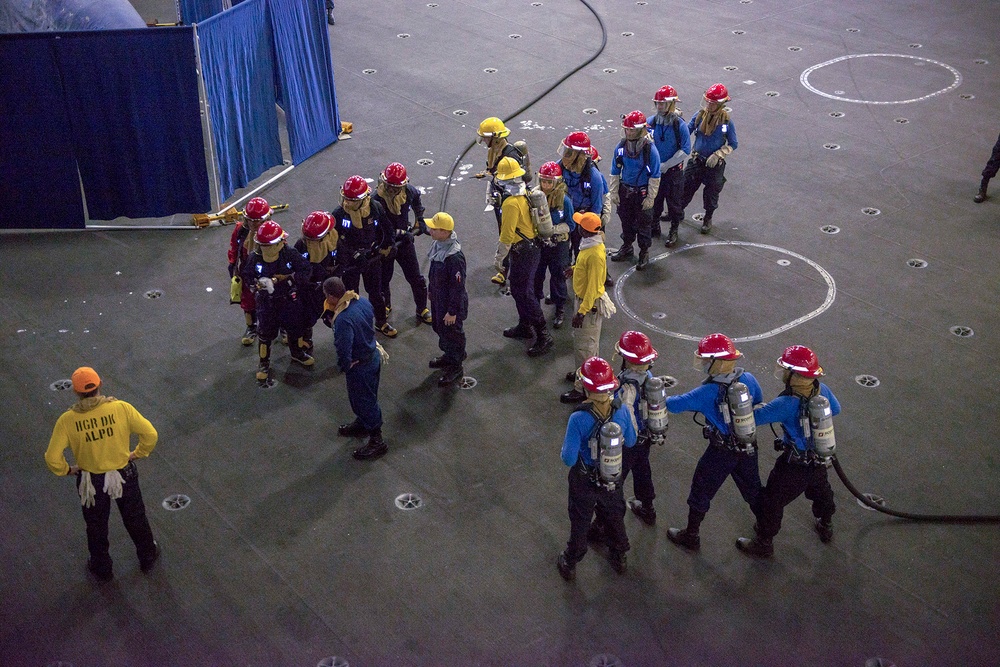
[[636, 460], [555, 259], [362, 391], [714, 466], [587, 499], [524, 257]]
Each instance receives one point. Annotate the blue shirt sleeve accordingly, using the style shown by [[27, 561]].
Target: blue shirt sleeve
[[577, 429], [654, 162], [343, 340], [685, 138], [731, 134], [568, 212], [615, 167], [834, 403], [628, 431]]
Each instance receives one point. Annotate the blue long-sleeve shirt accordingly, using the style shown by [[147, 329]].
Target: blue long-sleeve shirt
[[576, 444], [635, 171], [707, 397], [354, 333], [785, 410], [706, 145], [564, 214], [666, 140], [586, 195]]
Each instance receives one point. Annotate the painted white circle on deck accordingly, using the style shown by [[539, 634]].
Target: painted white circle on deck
[[804, 78], [831, 291]]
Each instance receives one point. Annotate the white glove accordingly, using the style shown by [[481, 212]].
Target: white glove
[[651, 189], [113, 484], [712, 161], [266, 284], [613, 182]]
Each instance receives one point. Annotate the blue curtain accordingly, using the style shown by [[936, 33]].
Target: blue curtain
[[305, 75], [238, 67], [132, 98], [196, 11], [39, 184]]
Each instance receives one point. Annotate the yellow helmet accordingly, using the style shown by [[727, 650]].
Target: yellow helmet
[[509, 169], [493, 127]]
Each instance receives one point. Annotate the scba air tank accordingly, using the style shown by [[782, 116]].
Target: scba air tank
[[821, 424], [655, 392], [610, 445], [538, 204], [741, 410]]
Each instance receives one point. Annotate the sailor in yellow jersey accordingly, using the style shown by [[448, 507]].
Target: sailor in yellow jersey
[[518, 232], [592, 302], [98, 430]]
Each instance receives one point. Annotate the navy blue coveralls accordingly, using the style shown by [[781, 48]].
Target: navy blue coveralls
[[403, 252]]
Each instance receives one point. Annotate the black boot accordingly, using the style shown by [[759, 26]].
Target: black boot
[[706, 223], [672, 236], [825, 530], [299, 354], [623, 254], [758, 546], [688, 537], [619, 561], [251, 332], [374, 448], [353, 430], [572, 397], [981, 195], [520, 331], [644, 511], [643, 260], [264, 367], [450, 375], [560, 317], [566, 571], [543, 341]]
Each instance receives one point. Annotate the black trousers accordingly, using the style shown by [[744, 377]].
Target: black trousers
[[554, 259], [524, 257], [284, 312], [993, 164], [787, 482], [636, 223], [451, 339], [714, 467], [371, 272], [585, 499], [671, 192], [406, 256], [636, 460], [133, 512], [697, 174]]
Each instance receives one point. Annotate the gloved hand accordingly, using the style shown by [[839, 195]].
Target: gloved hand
[[385, 252], [577, 320], [479, 174], [647, 203], [712, 161], [612, 195], [265, 284]]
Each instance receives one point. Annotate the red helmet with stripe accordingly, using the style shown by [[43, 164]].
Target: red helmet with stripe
[[800, 359], [636, 348], [665, 94], [257, 209], [395, 174], [597, 376], [355, 187], [316, 225], [579, 141], [717, 93], [269, 233], [634, 119], [717, 346], [550, 170]]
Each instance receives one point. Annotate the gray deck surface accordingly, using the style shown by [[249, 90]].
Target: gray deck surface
[[291, 552]]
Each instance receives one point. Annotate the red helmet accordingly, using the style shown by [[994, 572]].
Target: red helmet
[[316, 225], [594, 155], [356, 187], [634, 119], [635, 347], [717, 93], [579, 141], [597, 376], [800, 359], [665, 94], [269, 233], [717, 346], [257, 209], [550, 170], [395, 174]]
